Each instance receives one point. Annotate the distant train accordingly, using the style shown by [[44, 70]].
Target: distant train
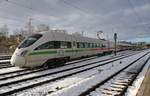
[[46, 48]]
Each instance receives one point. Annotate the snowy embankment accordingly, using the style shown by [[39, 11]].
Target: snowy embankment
[[133, 89], [6, 70], [62, 83], [79, 87], [44, 78], [4, 61], [117, 84]]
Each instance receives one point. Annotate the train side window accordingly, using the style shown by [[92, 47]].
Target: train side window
[[78, 45], [69, 45], [47, 45], [103, 46], [89, 45], [63, 44], [86, 45], [93, 45], [74, 43], [96, 44], [57, 44], [83, 45]]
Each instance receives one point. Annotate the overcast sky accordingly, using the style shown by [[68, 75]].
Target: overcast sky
[[129, 18]]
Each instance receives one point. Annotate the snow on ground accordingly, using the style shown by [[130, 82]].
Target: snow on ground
[[83, 85], [54, 70], [3, 61], [60, 84], [6, 70], [108, 85], [5, 54], [44, 78], [133, 89], [67, 82], [74, 79], [30, 82]]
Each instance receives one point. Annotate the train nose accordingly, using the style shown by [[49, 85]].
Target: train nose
[[17, 60]]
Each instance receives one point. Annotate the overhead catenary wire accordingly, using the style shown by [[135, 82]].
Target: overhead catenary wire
[[34, 10], [74, 6], [21, 5], [27, 7], [13, 19], [8, 18]]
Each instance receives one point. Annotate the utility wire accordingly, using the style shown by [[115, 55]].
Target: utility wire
[[21, 5], [14, 19], [27, 7], [81, 10]]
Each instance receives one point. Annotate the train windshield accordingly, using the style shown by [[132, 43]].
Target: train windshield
[[30, 40]]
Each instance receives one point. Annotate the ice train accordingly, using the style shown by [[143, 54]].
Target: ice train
[[48, 47]]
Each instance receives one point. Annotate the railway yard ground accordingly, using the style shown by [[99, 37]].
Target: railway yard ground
[[126, 74]]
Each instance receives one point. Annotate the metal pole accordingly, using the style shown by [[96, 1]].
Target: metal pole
[[29, 26], [115, 38], [108, 42], [115, 48]]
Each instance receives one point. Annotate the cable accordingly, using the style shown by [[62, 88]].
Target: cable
[[21, 5], [74, 7], [29, 8], [14, 19]]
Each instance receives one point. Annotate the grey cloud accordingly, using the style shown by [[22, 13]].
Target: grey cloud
[[89, 15]]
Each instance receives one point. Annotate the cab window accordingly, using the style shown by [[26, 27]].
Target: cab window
[[30, 40], [47, 45]]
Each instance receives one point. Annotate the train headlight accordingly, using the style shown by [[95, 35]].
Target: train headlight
[[24, 53]]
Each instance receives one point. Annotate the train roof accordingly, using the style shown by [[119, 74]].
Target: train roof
[[62, 36]]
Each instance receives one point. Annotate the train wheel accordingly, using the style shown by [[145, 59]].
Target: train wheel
[[49, 64], [45, 66]]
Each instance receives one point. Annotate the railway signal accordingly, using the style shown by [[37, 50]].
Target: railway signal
[[115, 38]]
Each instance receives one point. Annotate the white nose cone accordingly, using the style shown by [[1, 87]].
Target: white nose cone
[[17, 60]]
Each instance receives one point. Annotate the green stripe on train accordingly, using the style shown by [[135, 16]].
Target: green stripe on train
[[55, 51], [43, 52]]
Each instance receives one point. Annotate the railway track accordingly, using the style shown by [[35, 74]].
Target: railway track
[[4, 57], [6, 61], [118, 84], [5, 66], [15, 85], [89, 85], [15, 73]]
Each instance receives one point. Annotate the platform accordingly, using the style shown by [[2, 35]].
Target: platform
[[145, 87]]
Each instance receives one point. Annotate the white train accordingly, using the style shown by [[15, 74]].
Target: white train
[[49, 47]]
